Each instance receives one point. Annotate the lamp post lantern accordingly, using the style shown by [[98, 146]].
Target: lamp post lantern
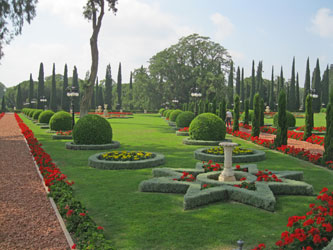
[[175, 101], [71, 93], [195, 93], [43, 100]]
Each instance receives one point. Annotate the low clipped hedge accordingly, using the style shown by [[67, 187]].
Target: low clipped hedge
[[45, 116], [291, 120], [207, 126], [161, 111], [61, 120], [184, 119], [165, 112], [36, 114], [251, 113], [175, 114], [92, 130], [168, 113]]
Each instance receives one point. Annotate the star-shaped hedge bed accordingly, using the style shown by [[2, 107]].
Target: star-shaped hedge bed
[[166, 180]]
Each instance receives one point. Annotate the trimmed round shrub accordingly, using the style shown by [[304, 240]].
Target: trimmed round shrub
[[174, 114], [251, 112], [61, 120], [45, 116], [291, 120], [31, 112], [207, 127], [92, 130], [161, 111], [165, 112], [36, 114], [184, 119], [169, 113]]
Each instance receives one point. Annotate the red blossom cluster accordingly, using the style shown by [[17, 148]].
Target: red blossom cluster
[[209, 166], [69, 132], [316, 139], [246, 126], [185, 177], [313, 230], [319, 129], [329, 164], [268, 130], [185, 129], [238, 168], [267, 176], [259, 247], [2, 114]]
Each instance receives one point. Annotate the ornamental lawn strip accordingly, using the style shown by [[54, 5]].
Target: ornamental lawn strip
[[113, 200]]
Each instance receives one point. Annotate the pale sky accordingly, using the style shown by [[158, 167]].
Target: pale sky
[[272, 31]]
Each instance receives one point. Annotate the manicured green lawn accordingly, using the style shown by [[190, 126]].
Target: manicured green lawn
[[136, 220], [319, 120]]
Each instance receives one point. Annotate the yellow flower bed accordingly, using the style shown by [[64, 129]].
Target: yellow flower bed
[[125, 156], [220, 151]]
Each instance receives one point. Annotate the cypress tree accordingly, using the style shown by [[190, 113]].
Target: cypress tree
[[246, 110], [96, 93], [253, 86], [93, 101], [19, 103], [214, 106], [108, 87], [31, 91], [53, 97], [206, 106], [317, 88], [223, 109], [259, 87], [40, 90], [271, 98], [242, 89], [328, 153], [308, 118], [288, 96], [292, 91], [281, 137], [3, 104], [238, 82], [131, 93], [281, 79], [297, 93], [119, 88], [278, 89], [256, 116], [325, 87], [64, 97], [306, 83], [100, 96], [75, 84], [262, 113], [235, 126], [231, 85], [200, 110]]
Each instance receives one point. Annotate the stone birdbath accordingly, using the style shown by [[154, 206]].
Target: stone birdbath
[[227, 174]]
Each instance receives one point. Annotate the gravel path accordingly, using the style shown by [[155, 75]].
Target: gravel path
[[27, 220]]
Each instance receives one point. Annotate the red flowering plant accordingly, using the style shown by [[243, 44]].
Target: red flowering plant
[[2, 114], [329, 164], [185, 129], [314, 230], [267, 176], [64, 132], [268, 130], [316, 139], [186, 177], [259, 247], [246, 126], [238, 168], [205, 186], [79, 224], [209, 166], [245, 184]]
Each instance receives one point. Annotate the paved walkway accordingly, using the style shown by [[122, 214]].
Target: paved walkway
[[314, 148], [27, 220]]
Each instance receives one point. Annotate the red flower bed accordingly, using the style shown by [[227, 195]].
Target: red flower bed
[[319, 129], [185, 129], [208, 167], [267, 176], [268, 130], [185, 177], [64, 132], [2, 114]]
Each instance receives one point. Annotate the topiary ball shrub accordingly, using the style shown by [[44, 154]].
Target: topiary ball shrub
[[161, 111], [61, 120], [174, 114], [92, 130], [45, 116], [36, 114], [207, 127], [184, 119], [31, 112], [251, 112], [165, 112], [291, 120], [169, 113]]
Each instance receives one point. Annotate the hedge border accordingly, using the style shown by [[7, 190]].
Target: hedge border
[[62, 137], [44, 126], [71, 145], [180, 133], [188, 141], [158, 160], [257, 155], [172, 124]]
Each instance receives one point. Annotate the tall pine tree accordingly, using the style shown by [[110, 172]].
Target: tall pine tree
[[96, 93], [316, 104], [253, 85], [108, 87], [328, 153], [325, 87], [307, 82], [259, 87], [281, 137], [40, 90], [100, 96], [292, 90], [119, 91], [308, 118], [31, 91], [256, 116], [53, 96], [64, 97], [242, 89], [231, 85], [75, 84], [238, 82], [131, 92], [271, 98], [19, 102], [297, 93], [235, 126], [281, 79]]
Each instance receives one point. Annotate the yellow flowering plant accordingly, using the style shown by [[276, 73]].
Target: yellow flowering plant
[[220, 151], [125, 156]]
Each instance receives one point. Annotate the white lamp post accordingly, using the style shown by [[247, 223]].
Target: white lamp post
[[71, 93], [196, 94]]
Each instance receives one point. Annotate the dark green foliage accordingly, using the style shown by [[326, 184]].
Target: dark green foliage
[[40, 90], [131, 92], [206, 106], [92, 130], [292, 93], [214, 106], [61, 120], [307, 83], [262, 113], [242, 91], [36, 113], [253, 85], [223, 109], [19, 102], [230, 85], [31, 91], [308, 118], [328, 154], [96, 93], [161, 111], [64, 97], [3, 104], [256, 116], [200, 107], [235, 126], [165, 112], [45, 116], [281, 80], [108, 87], [316, 103], [76, 85], [325, 87], [184, 119], [290, 120], [100, 96], [281, 137], [246, 112], [119, 101], [297, 93], [208, 127], [238, 82], [259, 88], [53, 97], [271, 98], [168, 113], [174, 114]]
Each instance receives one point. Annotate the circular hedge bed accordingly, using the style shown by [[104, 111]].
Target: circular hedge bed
[[255, 155], [61, 120], [112, 145], [126, 160], [189, 141]]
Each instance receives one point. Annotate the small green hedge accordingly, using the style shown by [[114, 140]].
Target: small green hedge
[[61, 120], [168, 113], [291, 120], [45, 116], [174, 115], [184, 119], [161, 111], [207, 126], [36, 114]]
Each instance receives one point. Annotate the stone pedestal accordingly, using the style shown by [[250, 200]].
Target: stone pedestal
[[227, 173], [105, 110], [100, 109]]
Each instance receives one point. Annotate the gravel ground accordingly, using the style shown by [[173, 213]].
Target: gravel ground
[[27, 220]]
